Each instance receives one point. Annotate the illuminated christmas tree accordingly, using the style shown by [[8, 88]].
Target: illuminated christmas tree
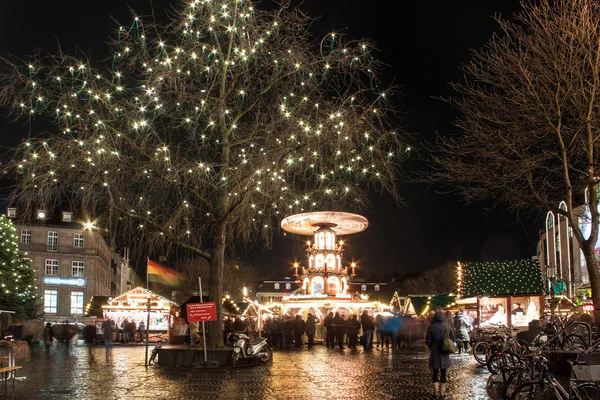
[[208, 130], [17, 284]]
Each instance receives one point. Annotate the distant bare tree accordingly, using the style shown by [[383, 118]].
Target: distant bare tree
[[208, 130], [440, 280], [530, 118]]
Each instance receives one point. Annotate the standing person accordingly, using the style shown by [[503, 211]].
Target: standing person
[[227, 329], [299, 326], [311, 327], [338, 329], [461, 329], [276, 330], [268, 332], [142, 330], [328, 323], [353, 328], [48, 336], [89, 335], [238, 324], [381, 333], [367, 327], [108, 330], [439, 360]]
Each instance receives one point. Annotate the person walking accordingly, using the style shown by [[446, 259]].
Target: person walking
[[142, 330], [298, 326], [461, 330], [353, 328], [328, 323], [48, 336], [439, 360], [381, 332], [367, 327], [89, 336], [108, 330], [311, 327]]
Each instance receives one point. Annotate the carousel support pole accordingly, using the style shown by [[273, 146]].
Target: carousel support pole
[[203, 328]]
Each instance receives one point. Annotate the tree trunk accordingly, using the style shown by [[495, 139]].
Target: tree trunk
[[592, 267], [215, 285]]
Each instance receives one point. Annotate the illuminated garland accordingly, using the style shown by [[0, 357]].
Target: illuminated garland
[[500, 278]]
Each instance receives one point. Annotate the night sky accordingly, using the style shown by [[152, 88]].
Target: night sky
[[423, 42]]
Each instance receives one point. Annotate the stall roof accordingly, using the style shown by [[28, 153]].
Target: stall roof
[[143, 292], [420, 303], [501, 278]]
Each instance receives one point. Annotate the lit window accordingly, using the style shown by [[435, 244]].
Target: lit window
[[11, 213], [25, 236], [52, 241], [77, 268], [51, 267], [67, 216], [377, 288], [288, 286], [363, 288], [51, 301], [276, 286], [78, 240], [42, 214], [76, 303]]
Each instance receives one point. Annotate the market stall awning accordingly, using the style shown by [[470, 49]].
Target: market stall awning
[[501, 278]]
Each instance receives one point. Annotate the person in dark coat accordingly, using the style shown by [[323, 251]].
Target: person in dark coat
[[338, 329], [48, 336], [89, 335], [367, 326], [311, 328], [353, 328], [461, 330], [298, 326], [328, 323], [439, 360], [238, 324]]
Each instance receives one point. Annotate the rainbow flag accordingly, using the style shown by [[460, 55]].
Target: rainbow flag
[[161, 274]]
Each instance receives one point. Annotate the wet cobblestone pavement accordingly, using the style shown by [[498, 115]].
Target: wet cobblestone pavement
[[316, 374]]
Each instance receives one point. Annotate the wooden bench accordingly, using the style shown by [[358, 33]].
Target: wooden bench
[[6, 372]]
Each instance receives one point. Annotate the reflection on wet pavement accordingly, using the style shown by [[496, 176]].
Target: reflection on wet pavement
[[317, 374]]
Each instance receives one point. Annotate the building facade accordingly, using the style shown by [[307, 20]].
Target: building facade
[[72, 263]]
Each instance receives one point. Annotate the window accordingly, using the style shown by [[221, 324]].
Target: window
[[288, 286], [51, 301], [66, 216], [11, 213], [78, 268], [78, 240], [276, 286], [52, 241], [377, 288], [76, 303], [51, 267], [26, 236], [363, 288]]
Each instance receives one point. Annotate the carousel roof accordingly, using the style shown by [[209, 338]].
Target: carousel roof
[[342, 223]]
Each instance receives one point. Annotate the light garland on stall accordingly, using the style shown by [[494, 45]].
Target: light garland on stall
[[500, 278]]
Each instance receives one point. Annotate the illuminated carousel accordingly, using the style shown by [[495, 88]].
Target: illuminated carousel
[[324, 280]]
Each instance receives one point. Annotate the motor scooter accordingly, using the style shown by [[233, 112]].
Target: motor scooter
[[249, 349]]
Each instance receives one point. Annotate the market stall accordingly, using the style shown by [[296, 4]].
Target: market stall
[[503, 292], [133, 307]]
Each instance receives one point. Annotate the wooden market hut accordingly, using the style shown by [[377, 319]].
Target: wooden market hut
[[505, 292]]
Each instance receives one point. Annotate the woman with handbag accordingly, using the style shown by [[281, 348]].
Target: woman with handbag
[[440, 340]]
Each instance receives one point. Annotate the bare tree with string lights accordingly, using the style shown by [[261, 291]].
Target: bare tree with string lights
[[207, 131]]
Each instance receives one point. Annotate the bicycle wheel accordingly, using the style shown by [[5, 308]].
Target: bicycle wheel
[[479, 351], [574, 342], [586, 391], [529, 390], [153, 356], [516, 378], [504, 361]]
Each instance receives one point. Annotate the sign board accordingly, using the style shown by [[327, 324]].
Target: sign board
[[201, 312], [588, 307], [65, 281]]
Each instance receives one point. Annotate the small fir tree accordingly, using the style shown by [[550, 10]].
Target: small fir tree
[[17, 284]]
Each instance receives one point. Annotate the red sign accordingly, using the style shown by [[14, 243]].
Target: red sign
[[588, 307], [201, 312]]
